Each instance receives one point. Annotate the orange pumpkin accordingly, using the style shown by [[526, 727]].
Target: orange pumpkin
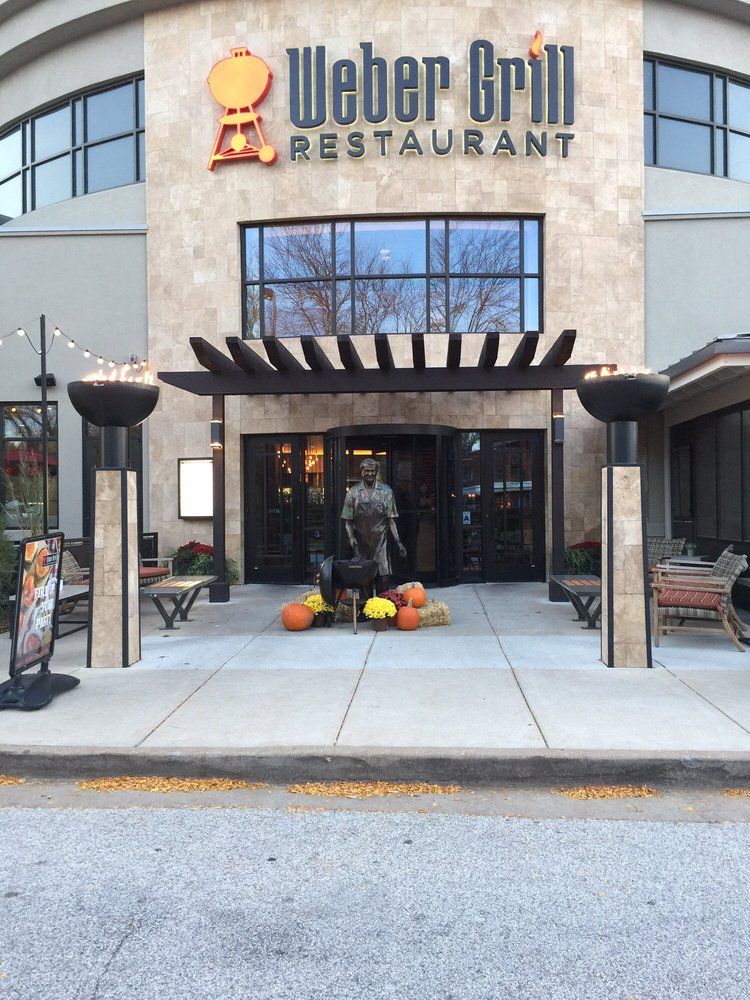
[[407, 618], [296, 617], [416, 597]]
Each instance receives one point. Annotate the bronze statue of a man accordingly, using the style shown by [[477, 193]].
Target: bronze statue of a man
[[369, 514]]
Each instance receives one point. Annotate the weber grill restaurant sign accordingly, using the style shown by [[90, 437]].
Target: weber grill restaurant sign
[[372, 92], [370, 106]]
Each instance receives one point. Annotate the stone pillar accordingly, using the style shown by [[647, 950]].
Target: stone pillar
[[115, 626], [626, 640]]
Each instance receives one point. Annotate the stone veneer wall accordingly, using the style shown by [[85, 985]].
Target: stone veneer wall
[[591, 202]]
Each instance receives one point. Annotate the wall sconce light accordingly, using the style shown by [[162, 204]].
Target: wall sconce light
[[558, 428], [217, 434]]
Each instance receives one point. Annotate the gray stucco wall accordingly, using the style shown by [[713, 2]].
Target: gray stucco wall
[[93, 286], [696, 285]]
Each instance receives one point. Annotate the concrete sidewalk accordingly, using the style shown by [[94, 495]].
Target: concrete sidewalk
[[512, 676]]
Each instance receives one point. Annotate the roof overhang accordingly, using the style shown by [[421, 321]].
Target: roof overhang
[[308, 368], [721, 361]]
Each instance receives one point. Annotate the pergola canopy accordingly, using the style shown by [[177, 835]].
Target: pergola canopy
[[245, 372]]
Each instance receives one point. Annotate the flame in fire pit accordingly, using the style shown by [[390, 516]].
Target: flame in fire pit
[[602, 372], [143, 375]]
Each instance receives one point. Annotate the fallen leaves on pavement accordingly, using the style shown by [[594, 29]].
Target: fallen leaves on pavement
[[9, 779], [137, 783], [608, 792], [370, 789], [737, 793]]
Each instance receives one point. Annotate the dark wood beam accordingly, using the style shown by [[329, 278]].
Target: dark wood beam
[[524, 353], [488, 355], [211, 357], [383, 352], [417, 350], [315, 356], [280, 357], [453, 359], [246, 358], [561, 350], [348, 353], [499, 378]]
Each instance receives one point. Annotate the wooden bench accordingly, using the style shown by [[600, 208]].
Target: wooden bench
[[181, 591], [585, 594]]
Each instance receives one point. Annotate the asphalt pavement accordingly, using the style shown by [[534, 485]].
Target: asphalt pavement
[[312, 902]]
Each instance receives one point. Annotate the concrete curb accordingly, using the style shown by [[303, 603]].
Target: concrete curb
[[470, 767]]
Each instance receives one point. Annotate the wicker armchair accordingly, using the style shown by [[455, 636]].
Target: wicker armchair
[[698, 594], [659, 548]]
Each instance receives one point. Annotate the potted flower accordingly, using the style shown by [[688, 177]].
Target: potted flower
[[397, 599], [379, 610], [584, 557], [197, 559], [321, 609]]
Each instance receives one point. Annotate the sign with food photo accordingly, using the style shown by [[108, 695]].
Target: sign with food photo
[[36, 600]]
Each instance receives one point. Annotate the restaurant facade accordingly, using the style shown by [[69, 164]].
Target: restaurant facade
[[347, 230]]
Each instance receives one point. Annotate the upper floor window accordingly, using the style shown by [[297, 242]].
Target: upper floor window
[[696, 120], [93, 141], [364, 276]]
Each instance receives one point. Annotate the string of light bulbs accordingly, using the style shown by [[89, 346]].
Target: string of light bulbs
[[101, 360]]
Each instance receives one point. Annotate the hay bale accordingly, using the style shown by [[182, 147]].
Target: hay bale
[[433, 613], [299, 600]]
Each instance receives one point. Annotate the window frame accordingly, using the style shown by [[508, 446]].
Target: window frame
[[79, 145], [428, 275], [719, 80], [53, 519]]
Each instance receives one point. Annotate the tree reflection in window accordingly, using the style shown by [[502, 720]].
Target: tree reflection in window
[[392, 276]]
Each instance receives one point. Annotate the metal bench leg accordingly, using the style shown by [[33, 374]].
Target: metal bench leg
[[168, 618], [184, 610]]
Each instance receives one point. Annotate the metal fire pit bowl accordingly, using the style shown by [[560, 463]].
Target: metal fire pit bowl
[[113, 404], [620, 401], [610, 398]]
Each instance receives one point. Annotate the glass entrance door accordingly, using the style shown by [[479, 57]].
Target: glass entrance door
[[272, 504], [417, 462], [513, 546], [284, 508]]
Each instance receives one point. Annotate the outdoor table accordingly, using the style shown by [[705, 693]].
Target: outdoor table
[[585, 594], [181, 591], [687, 560]]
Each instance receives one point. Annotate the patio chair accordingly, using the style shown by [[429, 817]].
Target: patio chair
[[152, 567], [690, 596], [659, 548]]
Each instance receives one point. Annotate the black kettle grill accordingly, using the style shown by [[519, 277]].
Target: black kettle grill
[[338, 575]]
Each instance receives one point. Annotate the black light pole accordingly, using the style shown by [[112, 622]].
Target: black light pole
[[45, 441]]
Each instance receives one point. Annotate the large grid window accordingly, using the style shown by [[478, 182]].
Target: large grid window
[[93, 141], [696, 120], [364, 276], [21, 490]]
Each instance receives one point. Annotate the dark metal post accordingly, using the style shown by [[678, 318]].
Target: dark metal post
[[557, 494], [114, 447], [45, 441], [218, 592], [622, 442]]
